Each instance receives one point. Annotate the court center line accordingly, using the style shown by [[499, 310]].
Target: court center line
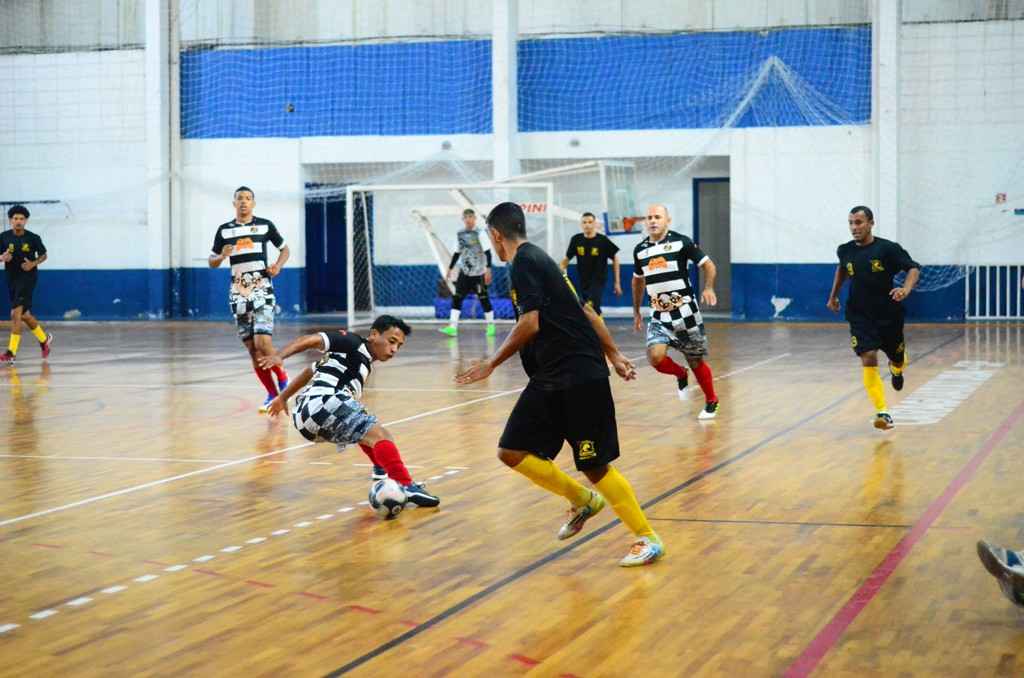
[[828, 637], [182, 476], [580, 541]]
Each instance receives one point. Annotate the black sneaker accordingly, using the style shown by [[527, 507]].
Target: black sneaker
[[418, 495], [7, 358], [378, 473], [883, 421], [897, 380], [710, 411], [681, 382]]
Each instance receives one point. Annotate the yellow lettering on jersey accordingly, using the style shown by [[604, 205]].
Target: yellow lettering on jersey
[[581, 250], [853, 342], [24, 247], [876, 266], [849, 268], [594, 251], [587, 449]]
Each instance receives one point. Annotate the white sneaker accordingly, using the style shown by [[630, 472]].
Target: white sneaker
[[643, 552], [578, 515], [710, 411], [1008, 569]]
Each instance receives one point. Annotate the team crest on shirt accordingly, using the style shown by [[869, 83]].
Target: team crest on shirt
[[581, 250], [25, 247], [254, 229], [849, 268], [594, 251], [876, 266], [587, 449]]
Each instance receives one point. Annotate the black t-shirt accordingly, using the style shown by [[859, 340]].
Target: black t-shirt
[[871, 269], [27, 246], [592, 255], [566, 351]]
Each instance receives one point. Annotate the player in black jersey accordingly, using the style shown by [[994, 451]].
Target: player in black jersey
[[562, 345], [874, 308], [22, 252], [244, 241], [592, 250], [328, 410]]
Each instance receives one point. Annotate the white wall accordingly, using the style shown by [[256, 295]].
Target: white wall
[[72, 128]]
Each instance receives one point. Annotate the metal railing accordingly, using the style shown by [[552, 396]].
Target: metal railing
[[993, 292]]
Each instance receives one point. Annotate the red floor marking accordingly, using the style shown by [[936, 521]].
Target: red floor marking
[[47, 546], [527, 661], [568, 675], [410, 623], [829, 636], [363, 608], [102, 553], [263, 584], [209, 572], [472, 641], [315, 596]]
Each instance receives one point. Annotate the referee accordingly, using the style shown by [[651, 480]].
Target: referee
[[22, 252]]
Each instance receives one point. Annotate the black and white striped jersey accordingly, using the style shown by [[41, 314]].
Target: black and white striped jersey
[[250, 284], [344, 367], [664, 267]]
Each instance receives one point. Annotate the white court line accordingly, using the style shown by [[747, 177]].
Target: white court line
[[78, 602], [4, 628], [45, 456], [42, 614], [146, 578], [182, 476], [110, 590]]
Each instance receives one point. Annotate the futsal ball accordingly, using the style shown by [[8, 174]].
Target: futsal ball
[[387, 498]]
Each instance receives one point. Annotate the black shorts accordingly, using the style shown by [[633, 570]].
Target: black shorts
[[583, 414], [886, 335], [19, 290], [470, 284], [591, 293]]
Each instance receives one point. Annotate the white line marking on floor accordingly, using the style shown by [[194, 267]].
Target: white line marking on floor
[[230, 549], [4, 628], [42, 614], [175, 568], [203, 559], [146, 578], [278, 533], [304, 523], [937, 398], [345, 509], [78, 602], [371, 465], [435, 477], [458, 468], [163, 459], [256, 540], [364, 503], [321, 463], [110, 590], [451, 473], [326, 516]]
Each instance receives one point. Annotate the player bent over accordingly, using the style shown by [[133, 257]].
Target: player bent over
[[328, 409]]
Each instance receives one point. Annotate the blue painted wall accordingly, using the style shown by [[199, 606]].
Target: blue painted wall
[[565, 84]]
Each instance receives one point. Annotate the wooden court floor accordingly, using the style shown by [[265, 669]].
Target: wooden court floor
[[152, 523]]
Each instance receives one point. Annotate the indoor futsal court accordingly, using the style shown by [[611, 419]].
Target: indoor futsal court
[[153, 525], [315, 317]]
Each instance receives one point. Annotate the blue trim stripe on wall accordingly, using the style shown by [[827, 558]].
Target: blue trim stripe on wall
[[680, 81]]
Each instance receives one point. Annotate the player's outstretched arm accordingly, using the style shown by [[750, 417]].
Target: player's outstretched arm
[[526, 328], [308, 342], [837, 284], [621, 363], [279, 404]]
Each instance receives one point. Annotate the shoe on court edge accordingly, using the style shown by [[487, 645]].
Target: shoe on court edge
[[897, 380], [450, 330], [883, 421], [418, 495], [265, 407], [643, 552], [578, 515], [710, 411], [378, 473], [1008, 569], [44, 346], [7, 358], [681, 383]]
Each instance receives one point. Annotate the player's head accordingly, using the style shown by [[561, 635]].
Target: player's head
[[861, 219], [17, 215], [469, 218], [658, 221], [588, 222], [244, 200], [506, 225], [387, 334]]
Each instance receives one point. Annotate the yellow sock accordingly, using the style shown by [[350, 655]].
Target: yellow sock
[[873, 385], [543, 472], [619, 493], [12, 345], [39, 334]]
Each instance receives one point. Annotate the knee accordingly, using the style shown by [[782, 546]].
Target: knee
[[509, 458], [694, 363], [655, 357], [869, 359]]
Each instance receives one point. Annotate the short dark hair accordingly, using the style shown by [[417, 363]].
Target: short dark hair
[[588, 214], [469, 210], [866, 210], [244, 188], [508, 219], [383, 323], [18, 209]]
